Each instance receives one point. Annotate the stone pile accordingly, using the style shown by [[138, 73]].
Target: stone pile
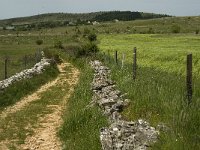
[[121, 134], [28, 73]]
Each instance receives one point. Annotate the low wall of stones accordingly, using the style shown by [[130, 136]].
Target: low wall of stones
[[121, 134], [25, 74]]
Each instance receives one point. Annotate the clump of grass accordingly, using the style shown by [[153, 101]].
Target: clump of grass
[[80, 130]]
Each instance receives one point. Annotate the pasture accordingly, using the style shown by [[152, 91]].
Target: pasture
[[159, 92]]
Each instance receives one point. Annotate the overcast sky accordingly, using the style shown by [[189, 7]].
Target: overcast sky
[[19, 8]]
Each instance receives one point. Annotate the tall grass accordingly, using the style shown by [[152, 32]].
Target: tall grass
[[80, 130]]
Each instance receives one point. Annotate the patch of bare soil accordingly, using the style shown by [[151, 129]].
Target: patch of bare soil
[[44, 137]]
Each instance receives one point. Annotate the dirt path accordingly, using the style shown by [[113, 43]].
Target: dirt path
[[45, 135], [26, 100]]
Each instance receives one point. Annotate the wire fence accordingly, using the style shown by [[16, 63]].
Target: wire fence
[[119, 59], [10, 65]]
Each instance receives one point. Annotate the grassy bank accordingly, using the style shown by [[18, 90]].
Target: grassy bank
[[80, 130], [24, 87], [159, 92]]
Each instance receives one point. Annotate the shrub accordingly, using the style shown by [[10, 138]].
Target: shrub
[[39, 42], [197, 31], [50, 54], [90, 48], [151, 31], [74, 50], [176, 29], [92, 37], [81, 50]]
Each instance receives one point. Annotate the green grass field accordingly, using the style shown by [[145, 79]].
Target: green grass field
[[159, 92], [15, 48], [157, 95]]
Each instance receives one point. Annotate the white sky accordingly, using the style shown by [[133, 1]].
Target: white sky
[[19, 8]]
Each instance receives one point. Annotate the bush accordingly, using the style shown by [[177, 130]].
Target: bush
[[151, 31], [81, 50], [74, 50], [39, 42], [58, 44], [176, 29], [197, 31], [90, 48], [92, 37], [50, 54]]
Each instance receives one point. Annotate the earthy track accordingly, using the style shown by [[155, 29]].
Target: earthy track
[[44, 136]]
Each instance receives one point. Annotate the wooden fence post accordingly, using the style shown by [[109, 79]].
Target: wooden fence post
[[123, 59], [189, 78], [116, 57], [6, 68], [104, 56], [36, 57], [134, 63], [108, 56], [25, 61]]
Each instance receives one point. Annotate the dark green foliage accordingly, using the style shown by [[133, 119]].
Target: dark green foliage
[[39, 42], [197, 31], [120, 15], [90, 48], [150, 31], [126, 16], [22, 88], [92, 37], [81, 50], [176, 29]]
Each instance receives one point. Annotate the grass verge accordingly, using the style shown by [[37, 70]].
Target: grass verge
[[80, 130]]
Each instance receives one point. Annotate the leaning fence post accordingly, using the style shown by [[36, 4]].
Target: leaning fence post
[[6, 68], [189, 78], [134, 62], [116, 57]]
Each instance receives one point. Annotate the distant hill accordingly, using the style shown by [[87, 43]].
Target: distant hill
[[62, 19], [126, 16]]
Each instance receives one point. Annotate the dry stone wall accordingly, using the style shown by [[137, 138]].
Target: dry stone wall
[[28, 73], [121, 134]]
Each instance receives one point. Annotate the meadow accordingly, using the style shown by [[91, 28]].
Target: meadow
[[16, 48], [159, 92]]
